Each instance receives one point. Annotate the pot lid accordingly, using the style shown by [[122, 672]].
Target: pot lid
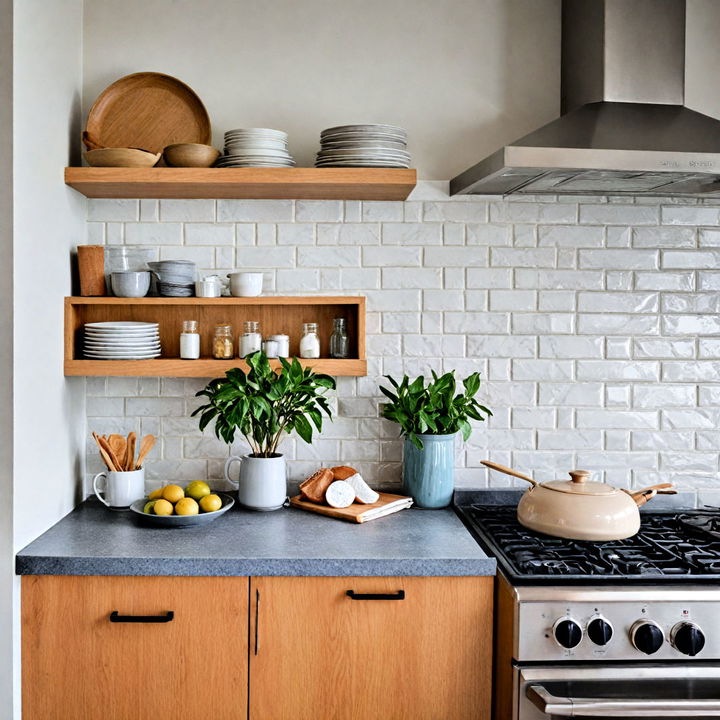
[[579, 485]]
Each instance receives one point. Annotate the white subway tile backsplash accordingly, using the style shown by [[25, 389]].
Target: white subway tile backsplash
[[595, 328]]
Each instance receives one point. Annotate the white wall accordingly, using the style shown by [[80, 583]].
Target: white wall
[[48, 409], [6, 358], [463, 76], [702, 57]]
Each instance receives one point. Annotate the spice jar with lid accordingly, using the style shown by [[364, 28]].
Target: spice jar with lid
[[251, 340], [283, 344], [190, 341], [310, 342], [339, 343], [223, 346]]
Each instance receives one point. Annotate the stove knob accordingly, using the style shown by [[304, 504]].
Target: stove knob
[[688, 638], [647, 636], [567, 632], [600, 631]]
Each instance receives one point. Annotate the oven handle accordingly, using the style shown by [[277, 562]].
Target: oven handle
[[554, 706]]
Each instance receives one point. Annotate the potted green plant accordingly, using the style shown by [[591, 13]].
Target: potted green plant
[[263, 406], [430, 416]]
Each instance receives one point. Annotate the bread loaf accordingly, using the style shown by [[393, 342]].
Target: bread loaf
[[343, 472], [315, 486], [364, 494], [340, 494]]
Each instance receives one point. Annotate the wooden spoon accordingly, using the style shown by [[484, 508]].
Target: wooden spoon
[[130, 451], [111, 453], [145, 447], [118, 444], [103, 453], [509, 471]]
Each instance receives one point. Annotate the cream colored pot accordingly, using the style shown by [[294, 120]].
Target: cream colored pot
[[579, 509]]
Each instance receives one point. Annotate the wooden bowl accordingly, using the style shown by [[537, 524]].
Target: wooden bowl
[[121, 157], [190, 155]]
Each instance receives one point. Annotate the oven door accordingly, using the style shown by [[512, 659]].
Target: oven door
[[654, 692]]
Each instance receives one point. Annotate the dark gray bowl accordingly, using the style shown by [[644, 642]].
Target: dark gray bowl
[[174, 521]]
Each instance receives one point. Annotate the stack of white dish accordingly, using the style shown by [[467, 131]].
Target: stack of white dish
[[255, 147], [121, 341], [363, 146], [176, 278]]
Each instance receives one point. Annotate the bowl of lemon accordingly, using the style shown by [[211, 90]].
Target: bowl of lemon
[[175, 506]]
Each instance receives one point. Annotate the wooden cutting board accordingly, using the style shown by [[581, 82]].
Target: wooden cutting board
[[357, 513]]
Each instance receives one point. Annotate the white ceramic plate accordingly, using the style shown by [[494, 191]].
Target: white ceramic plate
[[131, 356], [124, 325]]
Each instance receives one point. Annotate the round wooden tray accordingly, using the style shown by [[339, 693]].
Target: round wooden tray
[[148, 110]]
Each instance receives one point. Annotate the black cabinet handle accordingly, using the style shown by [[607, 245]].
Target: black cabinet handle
[[117, 618], [399, 595]]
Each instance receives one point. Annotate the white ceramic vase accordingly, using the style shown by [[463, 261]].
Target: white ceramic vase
[[262, 484]]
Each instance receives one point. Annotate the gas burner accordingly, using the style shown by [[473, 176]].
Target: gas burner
[[669, 546]]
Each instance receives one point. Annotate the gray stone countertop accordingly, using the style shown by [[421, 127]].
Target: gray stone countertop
[[93, 540]]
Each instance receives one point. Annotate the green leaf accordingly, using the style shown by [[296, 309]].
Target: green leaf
[[303, 428]]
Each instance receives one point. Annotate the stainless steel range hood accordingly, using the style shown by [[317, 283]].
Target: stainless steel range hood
[[624, 128]]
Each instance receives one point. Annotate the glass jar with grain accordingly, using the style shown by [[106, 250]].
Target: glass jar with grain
[[223, 346]]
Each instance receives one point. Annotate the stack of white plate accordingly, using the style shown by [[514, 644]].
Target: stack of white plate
[[121, 341], [363, 146], [255, 147]]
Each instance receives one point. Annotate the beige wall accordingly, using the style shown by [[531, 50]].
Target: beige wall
[[463, 76]]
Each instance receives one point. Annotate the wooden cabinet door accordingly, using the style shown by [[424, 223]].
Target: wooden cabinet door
[[78, 664], [315, 653]]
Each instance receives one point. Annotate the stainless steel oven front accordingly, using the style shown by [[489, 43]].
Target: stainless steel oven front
[[653, 691]]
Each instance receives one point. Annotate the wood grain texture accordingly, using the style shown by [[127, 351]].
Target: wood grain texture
[[76, 664], [503, 694], [250, 183], [148, 110], [354, 513], [322, 655], [276, 314]]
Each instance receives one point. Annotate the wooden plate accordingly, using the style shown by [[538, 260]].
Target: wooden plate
[[148, 110]]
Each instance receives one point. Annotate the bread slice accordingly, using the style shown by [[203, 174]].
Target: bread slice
[[343, 472], [340, 494], [364, 494], [315, 486]]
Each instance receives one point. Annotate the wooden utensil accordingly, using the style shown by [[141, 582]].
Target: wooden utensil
[[118, 444], [148, 110], [104, 453], [130, 451], [111, 453], [509, 471], [146, 446]]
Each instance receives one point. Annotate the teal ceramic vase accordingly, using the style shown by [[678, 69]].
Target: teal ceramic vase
[[428, 474]]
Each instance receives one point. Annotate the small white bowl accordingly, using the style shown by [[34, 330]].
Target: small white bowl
[[246, 284], [130, 283]]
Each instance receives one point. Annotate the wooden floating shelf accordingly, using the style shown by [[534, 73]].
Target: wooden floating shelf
[[276, 315], [247, 183]]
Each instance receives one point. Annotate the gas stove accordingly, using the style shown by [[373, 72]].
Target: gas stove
[[669, 548], [620, 629]]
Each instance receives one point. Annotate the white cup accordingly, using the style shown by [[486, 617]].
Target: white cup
[[270, 348], [246, 284], [120, 489], [208, 288]]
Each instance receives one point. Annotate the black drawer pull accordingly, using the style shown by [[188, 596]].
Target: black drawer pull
[[399, 595], [117, 618]]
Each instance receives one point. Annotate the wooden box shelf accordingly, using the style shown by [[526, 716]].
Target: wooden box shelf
[[249, 183], [275, 314]]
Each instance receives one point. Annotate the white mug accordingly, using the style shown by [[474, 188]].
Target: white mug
[[121, 489]]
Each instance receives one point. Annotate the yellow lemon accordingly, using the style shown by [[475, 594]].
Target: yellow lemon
[[149, 506], [186, 506], [163, 507], [197, 490], [156, 494], [210, 503], [173, 493]]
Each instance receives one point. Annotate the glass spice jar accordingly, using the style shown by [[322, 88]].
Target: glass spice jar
[[251, 340], [339, 343], [223, 346], [310, 342], [189, 340]]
